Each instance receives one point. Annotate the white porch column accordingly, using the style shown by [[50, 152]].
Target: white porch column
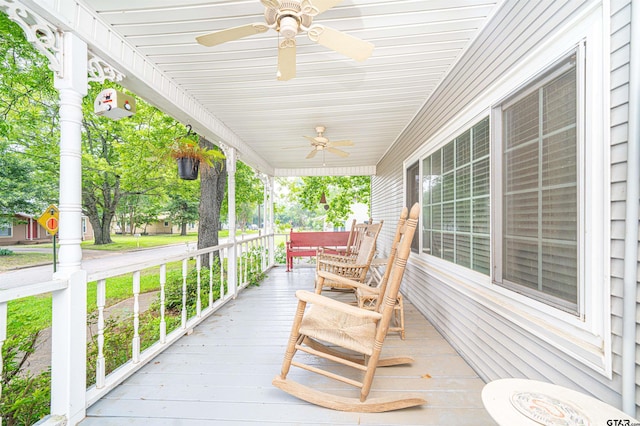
[[269, 216], [68, 360], [232, 263], [72, 88]]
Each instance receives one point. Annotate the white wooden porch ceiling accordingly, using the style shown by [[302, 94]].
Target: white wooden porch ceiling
[[416, 43]]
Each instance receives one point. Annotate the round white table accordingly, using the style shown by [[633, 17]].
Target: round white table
[[532, 403]]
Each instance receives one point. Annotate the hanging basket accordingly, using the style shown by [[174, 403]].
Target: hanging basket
[[188, 168]]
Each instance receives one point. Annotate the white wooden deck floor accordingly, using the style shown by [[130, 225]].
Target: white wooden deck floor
[[221, 373]]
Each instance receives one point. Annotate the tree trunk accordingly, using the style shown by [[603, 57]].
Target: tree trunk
[[101, 218], [213, 183], [183, 228]]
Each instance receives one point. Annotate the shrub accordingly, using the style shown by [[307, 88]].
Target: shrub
[[25, 397], [173, 289], [5, 252], [280, 254]]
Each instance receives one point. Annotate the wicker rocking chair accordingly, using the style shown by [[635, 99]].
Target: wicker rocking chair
[[355, 263], [349, 335]]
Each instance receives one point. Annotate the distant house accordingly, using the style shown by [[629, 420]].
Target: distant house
[[159, 227], [25, 229]]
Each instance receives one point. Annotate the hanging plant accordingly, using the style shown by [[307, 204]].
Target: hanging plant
[[190, 156]]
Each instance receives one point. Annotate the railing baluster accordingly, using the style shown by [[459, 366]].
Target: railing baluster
[[163, 323], [254, 262], [101, 297], [183, 323], [198, 298], [223, 256], [210, 278], [245, 265], [136, 318], [3, 337]]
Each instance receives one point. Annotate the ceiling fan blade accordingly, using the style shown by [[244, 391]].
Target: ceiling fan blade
[[340, 143], [230, 34], [346, 44], [316, 7], [287, 60], [312, 154], [274, 4], [338, 152]]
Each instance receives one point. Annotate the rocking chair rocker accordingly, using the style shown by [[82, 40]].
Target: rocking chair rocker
[[349, 335]]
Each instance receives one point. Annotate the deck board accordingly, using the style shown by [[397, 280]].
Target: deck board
[[221, 373]]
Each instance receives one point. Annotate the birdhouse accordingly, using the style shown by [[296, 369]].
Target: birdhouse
[[114, 105]]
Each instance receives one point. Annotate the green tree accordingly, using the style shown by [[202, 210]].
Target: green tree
[[249, 194], [183, 209], [28, 126], [121, 159], [340, 192]]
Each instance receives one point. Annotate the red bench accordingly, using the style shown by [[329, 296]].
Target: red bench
[[306, 244]]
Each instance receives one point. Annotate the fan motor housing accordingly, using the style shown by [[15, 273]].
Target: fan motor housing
[[288, 12]]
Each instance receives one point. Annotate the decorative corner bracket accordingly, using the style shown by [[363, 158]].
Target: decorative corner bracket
[[99, 70], [44, 36]]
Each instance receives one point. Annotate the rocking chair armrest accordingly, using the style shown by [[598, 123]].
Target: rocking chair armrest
[[342, 280], [317, 299]]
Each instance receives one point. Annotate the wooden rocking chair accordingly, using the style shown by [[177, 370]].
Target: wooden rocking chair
[[354, 264], [351, 336]]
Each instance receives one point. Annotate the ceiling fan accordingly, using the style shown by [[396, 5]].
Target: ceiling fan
[[321, 143], [288, 18]]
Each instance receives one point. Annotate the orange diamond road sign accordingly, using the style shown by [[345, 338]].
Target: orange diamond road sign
[[49, 219]]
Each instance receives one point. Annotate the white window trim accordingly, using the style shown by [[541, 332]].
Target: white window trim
[[585, 338]]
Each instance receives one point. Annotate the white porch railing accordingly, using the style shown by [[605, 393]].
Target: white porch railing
[[252, 258]]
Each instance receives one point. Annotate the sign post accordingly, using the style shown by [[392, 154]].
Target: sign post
[[49, 221]]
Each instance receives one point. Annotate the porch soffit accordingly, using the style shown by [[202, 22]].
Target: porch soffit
[[229, 93]]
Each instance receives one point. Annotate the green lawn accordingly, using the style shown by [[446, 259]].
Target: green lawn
[[129, 242], [21, 260]]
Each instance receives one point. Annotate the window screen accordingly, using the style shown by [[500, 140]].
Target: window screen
[[539, 187]]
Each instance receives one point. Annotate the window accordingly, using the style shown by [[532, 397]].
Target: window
[[413, 196], [539, 191], [455, 200], [6, 230], [535, 224]]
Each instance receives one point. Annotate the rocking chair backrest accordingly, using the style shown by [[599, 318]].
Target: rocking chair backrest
[[352, 237], [367, 248], [356, 237], [400, 250], [392, 256]]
